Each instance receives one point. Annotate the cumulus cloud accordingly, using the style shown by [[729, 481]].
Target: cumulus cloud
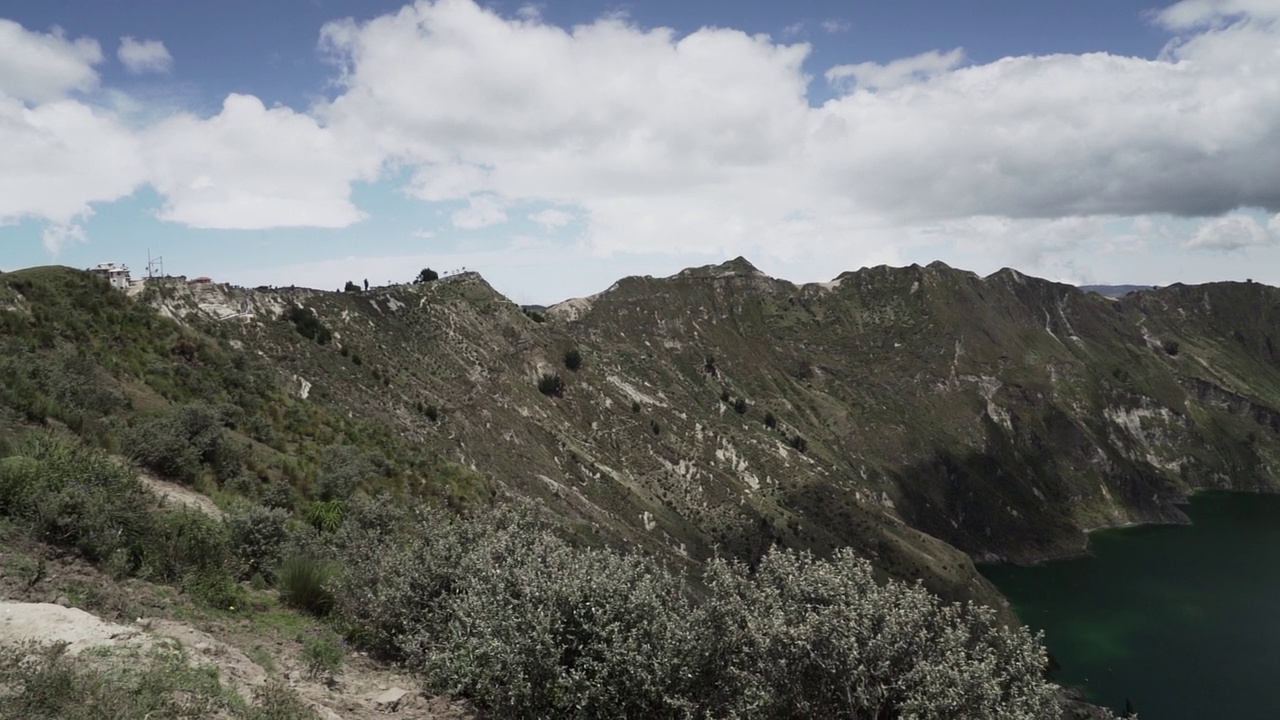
[[57, 236], [144, 56], [1232, 232], [41, 67], [59, 158], [252, 167]]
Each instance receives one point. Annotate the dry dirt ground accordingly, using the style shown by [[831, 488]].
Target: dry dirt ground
[[49, 597]]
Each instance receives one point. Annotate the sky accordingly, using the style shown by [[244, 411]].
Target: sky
[[559, 146]]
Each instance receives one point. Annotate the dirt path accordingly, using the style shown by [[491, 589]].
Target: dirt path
[[361, 691]]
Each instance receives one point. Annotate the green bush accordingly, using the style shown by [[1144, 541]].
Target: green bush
[[304, 320], [185, 541], [573, 359], [257, 537], [802, 637], [325, 515], [179, 443], [75, 498], [303, 583], [497, 609], [343, 468], [551, 385]]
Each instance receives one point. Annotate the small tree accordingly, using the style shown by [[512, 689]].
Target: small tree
[[770, 421], [551, 385], [350, 287], [740, 406], [573, 359], [426, 276]]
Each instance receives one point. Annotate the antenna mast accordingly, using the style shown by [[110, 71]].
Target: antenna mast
[[155, 266]]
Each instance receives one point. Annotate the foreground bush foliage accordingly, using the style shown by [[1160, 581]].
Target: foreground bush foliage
[[77, 499], [503, 612], [500, 610]]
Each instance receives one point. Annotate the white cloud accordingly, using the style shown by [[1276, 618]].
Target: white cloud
[[551, 218], [874, 76], [1230, 233], [250, 167], [57, 236], [61, 156], [42, 67], [144, 56], [482, 211]]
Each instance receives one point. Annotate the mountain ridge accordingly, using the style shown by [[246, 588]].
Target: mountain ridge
[[925, 416]]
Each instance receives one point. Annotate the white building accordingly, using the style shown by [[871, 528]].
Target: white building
[[117, 275]]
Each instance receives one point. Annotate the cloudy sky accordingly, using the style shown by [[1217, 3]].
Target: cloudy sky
[[557, 146]]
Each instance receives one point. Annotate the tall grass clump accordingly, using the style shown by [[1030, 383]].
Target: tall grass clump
[[303, 583]]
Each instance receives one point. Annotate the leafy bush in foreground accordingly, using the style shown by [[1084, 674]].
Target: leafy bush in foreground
[[501, 611]]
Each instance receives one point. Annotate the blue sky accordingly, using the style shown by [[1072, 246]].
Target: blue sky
[[556, 147]]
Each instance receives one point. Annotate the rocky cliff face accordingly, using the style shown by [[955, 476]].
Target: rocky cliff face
[[923, 415]]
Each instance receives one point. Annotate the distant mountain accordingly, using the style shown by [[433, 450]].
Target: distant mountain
[[1115, 291], [925, 416]]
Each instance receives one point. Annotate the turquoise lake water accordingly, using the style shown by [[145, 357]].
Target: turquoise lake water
[[1183, 621]]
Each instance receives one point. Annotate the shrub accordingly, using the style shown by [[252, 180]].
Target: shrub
[[655, 427], [799, 443], [182, 542], [325, 515], [635, 406], [534, 315], [278, 494], [343, 468], [303, 583], [1171, 347], [307, 324], [551, 385], [179, 442], [802, 637], [770, 421], [426, 275], [75, 498], [740, 406], [350, 287], [432, 412], [535, 628], [572, 359], [257, 536]]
